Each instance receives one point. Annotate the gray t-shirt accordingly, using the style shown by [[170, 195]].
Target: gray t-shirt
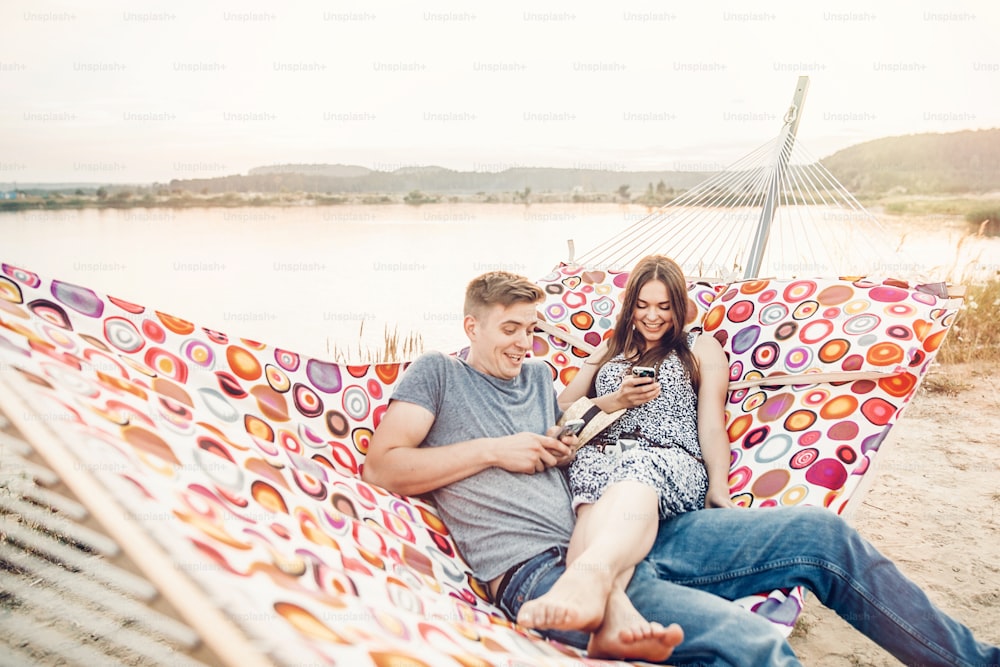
[[498, 518]]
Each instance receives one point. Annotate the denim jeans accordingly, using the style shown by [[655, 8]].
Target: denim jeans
[[702, 560]]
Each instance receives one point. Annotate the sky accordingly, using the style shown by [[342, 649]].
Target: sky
[[125, 92]]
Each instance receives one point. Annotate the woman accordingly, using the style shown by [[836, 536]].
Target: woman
[[667, 454]]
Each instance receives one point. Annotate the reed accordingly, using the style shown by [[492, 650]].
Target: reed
[[975, 335], [395, 348]]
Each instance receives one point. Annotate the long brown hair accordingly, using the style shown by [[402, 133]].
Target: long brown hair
[[628, 342]]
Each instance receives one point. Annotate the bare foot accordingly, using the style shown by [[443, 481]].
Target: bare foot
[[625, 634], [575, 602]]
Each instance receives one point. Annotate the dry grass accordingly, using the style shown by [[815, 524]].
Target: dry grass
[[394, 349], [975, 335]]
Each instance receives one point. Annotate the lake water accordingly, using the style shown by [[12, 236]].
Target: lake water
[[319, 279]]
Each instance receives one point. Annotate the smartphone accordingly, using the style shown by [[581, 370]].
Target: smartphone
[[572, 427], [643, 372]]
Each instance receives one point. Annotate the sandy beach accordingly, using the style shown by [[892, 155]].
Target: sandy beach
[[934, 508]]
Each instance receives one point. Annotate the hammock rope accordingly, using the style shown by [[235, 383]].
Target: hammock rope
[[818, 227]]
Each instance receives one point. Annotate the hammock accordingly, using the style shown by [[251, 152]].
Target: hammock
[[228, 468]]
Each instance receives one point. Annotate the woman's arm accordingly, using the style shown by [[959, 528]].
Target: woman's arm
[[632, 391], [712, 391]]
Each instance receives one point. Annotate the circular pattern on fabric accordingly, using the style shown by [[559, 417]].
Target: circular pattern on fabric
[[738, 479], [166, 364], [901, 310], [175, 324], [362, 437], [603, 307], [80, 299], [153, 331], [885, 353], [878, 410], [308, 402], [10, 291], [775, 407], [54, 314], [805, 310], [754, 401], [833, 350], [773, 449], [899, 332], [887, 294], [287, 360], [794, 495], [745, 338], [898, 385], [324, 376], [582, 320], [740, 312], [355, 402], [800, 420], [735, 371], [861, 324], [217, 404], [198, 353], [799, 290], [216, 337], [714, 317], [786, 330], [809, 438], [816, 397], [574, 300], [803, 458], [123, 335], [277, 378], [845, 430], [765, 355], [739, 427], [847, 454], [798, 359], [387, 373], [755, 437], [773, 313], [771, 483], [243, 363], [828, 473], [336, 423], [556, 312], [834, 295], [814, 332], [311, 486], [839, 407], [23, 276]]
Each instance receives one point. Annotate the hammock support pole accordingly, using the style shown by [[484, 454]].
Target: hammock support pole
[[785, 142]]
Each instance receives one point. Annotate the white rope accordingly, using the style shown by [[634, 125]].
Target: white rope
[[708, 228]]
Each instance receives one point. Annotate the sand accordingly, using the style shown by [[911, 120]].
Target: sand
[[934, 508]]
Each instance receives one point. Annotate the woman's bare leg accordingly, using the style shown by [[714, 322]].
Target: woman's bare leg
[[610, 537]]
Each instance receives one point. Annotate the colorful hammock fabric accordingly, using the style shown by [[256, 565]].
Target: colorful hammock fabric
[[240, 459]]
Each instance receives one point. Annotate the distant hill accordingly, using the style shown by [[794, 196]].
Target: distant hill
[[967, 161], [353, 179], [331, 170]]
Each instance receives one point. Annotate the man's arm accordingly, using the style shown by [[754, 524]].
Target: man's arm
[[398, 463]]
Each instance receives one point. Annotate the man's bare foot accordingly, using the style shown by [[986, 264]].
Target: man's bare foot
[[625, 634], [575, 602]]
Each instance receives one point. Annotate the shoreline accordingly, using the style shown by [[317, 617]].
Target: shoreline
[[889, 204]]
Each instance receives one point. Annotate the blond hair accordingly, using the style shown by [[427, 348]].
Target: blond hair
[[499, 287]]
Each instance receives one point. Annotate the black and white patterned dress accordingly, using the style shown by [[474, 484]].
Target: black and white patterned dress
[[668, 457]]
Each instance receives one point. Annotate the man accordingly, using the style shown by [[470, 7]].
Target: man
[[476, 433]]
